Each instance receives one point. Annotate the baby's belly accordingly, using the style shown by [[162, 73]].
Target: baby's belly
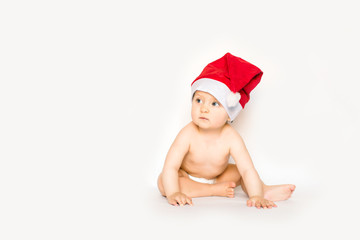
[[206, 170]]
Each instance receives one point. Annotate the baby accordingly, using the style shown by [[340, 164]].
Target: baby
[[197, 162]]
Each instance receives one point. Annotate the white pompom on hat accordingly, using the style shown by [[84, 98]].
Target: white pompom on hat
[[230, 80], [233, 99]]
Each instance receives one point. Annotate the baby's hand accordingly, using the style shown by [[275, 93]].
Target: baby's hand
[[179, 198], [259, 202]]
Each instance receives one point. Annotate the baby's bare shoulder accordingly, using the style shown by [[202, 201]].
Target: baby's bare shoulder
[[188, 131], [231, 135], [230, 132]]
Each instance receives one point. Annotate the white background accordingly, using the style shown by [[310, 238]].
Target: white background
[[92, 94]]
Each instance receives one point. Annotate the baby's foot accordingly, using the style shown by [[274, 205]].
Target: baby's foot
[[278, 192], [224, 189]]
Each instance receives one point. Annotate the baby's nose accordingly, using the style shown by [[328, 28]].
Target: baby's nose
[[204, 109]]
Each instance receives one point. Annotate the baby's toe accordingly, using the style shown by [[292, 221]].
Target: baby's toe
[[230, 192]]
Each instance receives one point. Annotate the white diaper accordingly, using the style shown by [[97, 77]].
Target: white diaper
[[202, 180]]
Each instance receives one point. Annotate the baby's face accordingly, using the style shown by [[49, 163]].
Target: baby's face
[[207, 112]]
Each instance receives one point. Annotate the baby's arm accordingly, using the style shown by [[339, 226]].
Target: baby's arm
[[170, 176], [250, 176]]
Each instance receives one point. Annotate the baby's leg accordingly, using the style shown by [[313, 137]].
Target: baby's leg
[[195, 189], [231, 174], [271, 192]]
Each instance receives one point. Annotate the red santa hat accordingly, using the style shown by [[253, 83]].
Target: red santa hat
[[230, 80]]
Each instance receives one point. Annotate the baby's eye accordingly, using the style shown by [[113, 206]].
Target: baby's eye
[[198, 100], [215, 104]]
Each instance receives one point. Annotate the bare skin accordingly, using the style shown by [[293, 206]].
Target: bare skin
[[202, 149], [224, 187]]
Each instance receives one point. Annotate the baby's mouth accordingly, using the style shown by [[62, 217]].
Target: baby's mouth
[[203, 118]]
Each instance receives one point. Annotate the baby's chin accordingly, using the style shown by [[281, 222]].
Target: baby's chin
[[209, 126]]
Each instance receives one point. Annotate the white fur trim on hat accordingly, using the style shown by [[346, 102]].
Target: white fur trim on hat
[[228, 99]]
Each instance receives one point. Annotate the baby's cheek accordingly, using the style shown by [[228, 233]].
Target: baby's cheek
[[224, 116], [221, 121]]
